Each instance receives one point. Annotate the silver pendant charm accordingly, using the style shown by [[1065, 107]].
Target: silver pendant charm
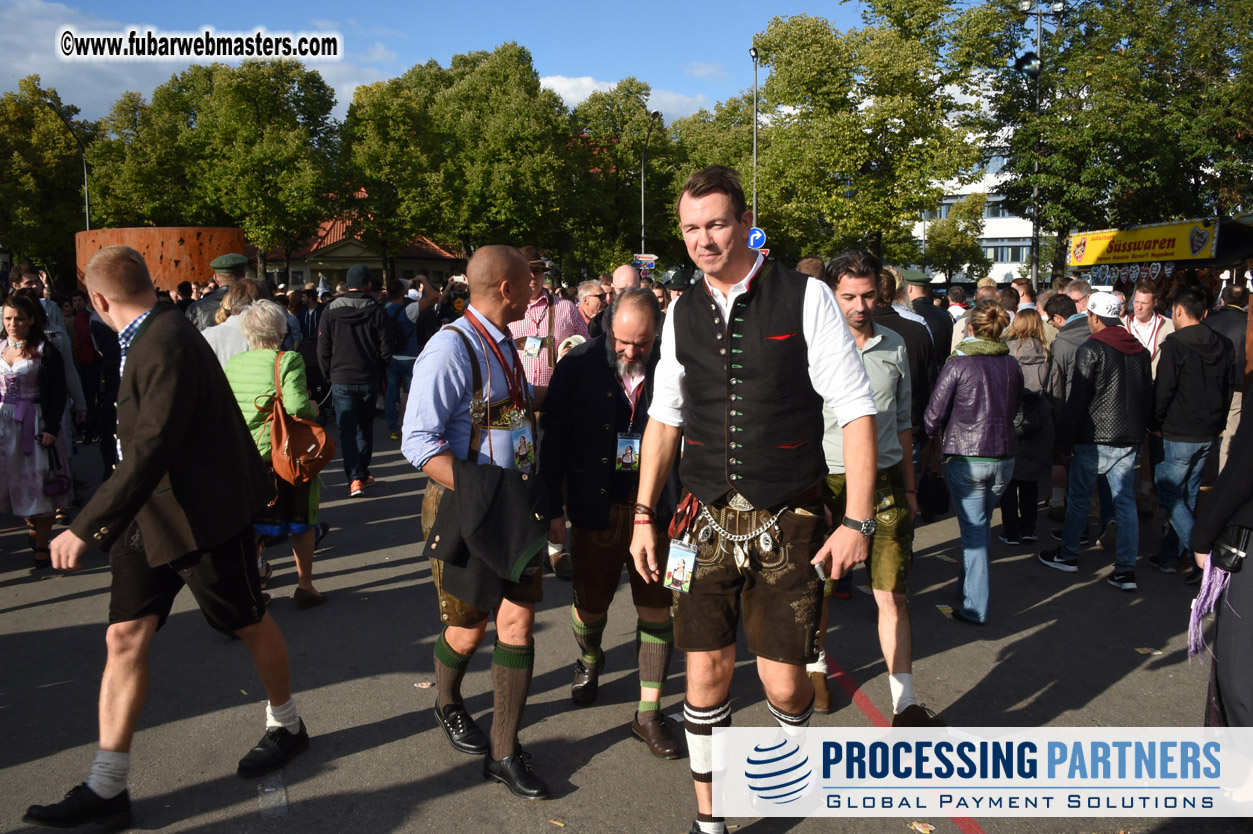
[[705, 535], [765, 543], [741, 557]]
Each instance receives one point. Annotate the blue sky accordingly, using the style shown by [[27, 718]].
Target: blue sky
[[693, 55]]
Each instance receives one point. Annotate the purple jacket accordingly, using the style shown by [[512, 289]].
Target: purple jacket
[[973, 406]]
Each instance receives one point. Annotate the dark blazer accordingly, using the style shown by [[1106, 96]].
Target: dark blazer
[[190, 475], [584, 412]]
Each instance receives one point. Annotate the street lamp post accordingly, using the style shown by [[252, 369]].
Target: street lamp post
[[753, 52], [82, 152], [652, 117], [1031, 65]]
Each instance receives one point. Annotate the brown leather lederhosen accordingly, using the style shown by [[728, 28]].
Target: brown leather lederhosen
[[452, 611], [547, 343]]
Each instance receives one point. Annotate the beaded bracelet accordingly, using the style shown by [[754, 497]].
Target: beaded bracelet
[[643, 521]]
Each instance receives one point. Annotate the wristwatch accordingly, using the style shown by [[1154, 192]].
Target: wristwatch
[[866, 528]]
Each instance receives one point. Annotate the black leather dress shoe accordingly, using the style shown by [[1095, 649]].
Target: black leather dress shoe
[[463, 734], [80, 807], [516, 774], [658, 735], [275, 749], [586, 682]]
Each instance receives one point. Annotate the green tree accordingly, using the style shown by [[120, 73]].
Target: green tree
[[866, 126], [42, 169], [604, 228], [1143, 114], [148, 164], [510, 175], [953, 243], [269, 147], [394, 161], [251, 146]]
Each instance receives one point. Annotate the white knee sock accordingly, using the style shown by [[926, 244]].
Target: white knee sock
[[108, 773], [284, 716], [819, 665], [1059, 497], [902, 687]]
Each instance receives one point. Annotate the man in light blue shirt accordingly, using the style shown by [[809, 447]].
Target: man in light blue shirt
[[470, 400]]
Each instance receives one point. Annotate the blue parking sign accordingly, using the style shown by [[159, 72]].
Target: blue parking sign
[[756, 238]]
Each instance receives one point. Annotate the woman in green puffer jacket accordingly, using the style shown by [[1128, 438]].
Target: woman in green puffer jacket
[[252, 378]]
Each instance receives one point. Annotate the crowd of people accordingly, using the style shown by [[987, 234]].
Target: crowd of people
[[737, 441]]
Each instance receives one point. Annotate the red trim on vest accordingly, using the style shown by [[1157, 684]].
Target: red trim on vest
[[781, 337]]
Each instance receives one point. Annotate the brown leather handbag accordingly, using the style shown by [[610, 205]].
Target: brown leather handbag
[[299, 448]]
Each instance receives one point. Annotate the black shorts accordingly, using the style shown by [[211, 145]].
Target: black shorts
[[223, 579]]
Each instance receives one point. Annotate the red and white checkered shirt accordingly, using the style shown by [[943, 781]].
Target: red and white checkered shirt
[[565, 322]]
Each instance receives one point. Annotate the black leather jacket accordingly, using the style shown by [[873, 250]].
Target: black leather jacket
[[974, 404], [1111, 392]]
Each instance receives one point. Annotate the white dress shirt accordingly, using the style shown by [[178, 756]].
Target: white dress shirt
[[835, 369]]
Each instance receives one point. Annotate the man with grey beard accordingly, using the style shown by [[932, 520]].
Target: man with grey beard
[[592, 423]]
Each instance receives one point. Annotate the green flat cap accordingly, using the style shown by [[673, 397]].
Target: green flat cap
[[918, 279], [230, 260]]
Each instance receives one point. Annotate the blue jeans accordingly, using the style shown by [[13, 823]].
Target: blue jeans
[[976, 487], [1178, 479], [399, 374], [354, 414], [1117, 465]]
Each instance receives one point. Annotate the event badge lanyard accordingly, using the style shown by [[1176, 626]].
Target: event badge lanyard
[[627, 456], [523, 438], [533, 344]]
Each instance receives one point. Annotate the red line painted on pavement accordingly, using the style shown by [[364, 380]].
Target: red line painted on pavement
[[964, 824]]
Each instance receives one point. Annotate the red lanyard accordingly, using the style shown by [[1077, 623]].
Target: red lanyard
[[547, 311], [513, 376]]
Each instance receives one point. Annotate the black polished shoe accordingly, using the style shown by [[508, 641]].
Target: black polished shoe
[[276, 748], [463, 734], [586, 683], [516, 774], [658, 734], [80, 807]]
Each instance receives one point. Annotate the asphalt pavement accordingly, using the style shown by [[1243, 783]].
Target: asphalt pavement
[[1059, 650]]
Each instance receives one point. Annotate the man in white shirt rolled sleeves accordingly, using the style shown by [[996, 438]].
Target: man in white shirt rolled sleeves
[[750, 354]]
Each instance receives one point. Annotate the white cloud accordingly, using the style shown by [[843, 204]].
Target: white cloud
[[676, 105], [379, 53], [28, 45], [574, 90], [705, 69]]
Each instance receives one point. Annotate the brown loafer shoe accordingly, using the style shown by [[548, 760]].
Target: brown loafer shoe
[[822, 695], [560, 563], [658, 735]]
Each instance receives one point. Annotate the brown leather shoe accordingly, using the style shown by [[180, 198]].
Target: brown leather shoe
[[560, 563], [822, 695], [658, 734]]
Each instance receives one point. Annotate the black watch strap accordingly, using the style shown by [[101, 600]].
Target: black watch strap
[[866, 528]]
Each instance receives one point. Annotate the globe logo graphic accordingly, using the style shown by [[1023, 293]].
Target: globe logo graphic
[[778, 772]]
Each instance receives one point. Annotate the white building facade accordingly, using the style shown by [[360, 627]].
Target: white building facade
[[1006, 237]]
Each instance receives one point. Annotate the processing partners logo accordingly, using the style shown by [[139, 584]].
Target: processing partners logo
[[780, 772], [983, 771]]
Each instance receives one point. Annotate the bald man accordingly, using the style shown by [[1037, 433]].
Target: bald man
[[177, 511], [471, 402]]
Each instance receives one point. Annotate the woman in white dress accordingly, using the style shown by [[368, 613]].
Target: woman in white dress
[[32, 401]]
